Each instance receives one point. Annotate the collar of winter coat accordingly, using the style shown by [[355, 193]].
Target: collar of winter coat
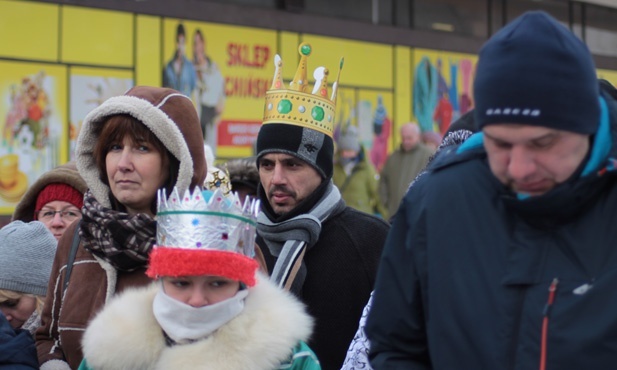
[[126, 334], [567, 199]]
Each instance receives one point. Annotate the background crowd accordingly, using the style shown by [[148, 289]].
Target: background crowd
[[491, 248]]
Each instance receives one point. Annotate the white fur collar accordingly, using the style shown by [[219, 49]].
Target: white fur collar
[[125, 335]]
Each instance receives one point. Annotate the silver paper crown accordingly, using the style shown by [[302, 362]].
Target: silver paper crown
[[207, 220]]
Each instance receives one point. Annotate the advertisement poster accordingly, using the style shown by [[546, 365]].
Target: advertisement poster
[[442, 87], [89, 88], [226, 70], [370, 112], [32, 116]]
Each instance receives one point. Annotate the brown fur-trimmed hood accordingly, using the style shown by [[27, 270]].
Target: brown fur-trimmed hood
[[172, 118]]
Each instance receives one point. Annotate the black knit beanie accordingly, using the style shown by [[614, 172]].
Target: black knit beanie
[[309, 145], [535, 71]]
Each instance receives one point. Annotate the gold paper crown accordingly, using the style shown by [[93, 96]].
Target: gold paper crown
[[295, 105]]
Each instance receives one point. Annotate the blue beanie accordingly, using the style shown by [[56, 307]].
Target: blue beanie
[[534, 71]]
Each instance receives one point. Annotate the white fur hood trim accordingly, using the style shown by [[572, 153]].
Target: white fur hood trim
[[125, 335]]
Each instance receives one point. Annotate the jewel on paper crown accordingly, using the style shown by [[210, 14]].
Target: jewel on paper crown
[[295, 105], [207, 220]]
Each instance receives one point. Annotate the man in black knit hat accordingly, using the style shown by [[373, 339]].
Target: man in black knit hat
[[314, 245], [502, 255]]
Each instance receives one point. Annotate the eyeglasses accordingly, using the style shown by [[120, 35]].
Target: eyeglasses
[[68, 215]]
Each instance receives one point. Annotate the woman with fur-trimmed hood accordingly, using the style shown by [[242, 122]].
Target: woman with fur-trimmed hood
[[128, 148], [209, 308]]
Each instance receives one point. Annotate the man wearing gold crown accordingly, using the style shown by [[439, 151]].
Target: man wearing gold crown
[[321, 250]]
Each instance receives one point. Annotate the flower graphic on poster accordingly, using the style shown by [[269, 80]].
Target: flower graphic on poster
[[29, 110], [89, 89]]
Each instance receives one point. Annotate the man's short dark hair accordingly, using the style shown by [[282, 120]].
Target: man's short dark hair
[[180, 31]]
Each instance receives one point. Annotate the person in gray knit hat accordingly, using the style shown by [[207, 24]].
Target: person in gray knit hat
[[26, 254], [355, 175]]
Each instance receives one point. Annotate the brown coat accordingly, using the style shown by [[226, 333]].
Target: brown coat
[[92, 283], [171, 116]]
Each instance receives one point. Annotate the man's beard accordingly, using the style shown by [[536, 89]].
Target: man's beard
[[281, 189]]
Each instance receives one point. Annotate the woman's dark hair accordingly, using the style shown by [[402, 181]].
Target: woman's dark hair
[[113, 131]]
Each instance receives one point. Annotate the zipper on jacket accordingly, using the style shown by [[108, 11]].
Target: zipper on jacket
[[547, 311]]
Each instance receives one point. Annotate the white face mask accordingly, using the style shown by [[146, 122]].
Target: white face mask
[[182, 322]]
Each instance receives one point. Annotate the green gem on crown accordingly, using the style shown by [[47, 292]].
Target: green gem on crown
[[317, 113], [306, 50], [284, 106]]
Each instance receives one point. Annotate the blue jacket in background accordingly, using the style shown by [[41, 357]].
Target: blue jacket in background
[[465, 274], [17, 350]]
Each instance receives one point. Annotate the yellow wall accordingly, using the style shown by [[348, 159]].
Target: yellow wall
[[29, 30], [148, 51], [97, 37], [108, 51]]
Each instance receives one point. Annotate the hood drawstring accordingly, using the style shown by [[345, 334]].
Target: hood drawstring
[[547, 310]]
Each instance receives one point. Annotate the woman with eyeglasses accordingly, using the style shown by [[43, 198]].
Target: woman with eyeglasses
[[55, 199], [128, 147]]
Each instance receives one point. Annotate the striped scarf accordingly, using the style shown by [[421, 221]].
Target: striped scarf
[[289, 239], [121, 239]]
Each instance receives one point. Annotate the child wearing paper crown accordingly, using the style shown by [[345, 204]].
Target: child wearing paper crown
[[209, 308]]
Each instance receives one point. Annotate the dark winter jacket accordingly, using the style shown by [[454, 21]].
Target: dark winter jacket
[[465, 276], [17, 350], [341, 271]]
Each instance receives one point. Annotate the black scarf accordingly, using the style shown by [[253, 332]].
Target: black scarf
[[117, 237]]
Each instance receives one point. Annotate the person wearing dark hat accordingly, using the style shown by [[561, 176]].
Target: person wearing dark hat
[[26, 253], [128, 147], [321, 250], [55, 199], [502, 255], [355, 176]]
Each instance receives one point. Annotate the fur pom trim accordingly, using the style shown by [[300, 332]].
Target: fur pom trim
[[166, 261]]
